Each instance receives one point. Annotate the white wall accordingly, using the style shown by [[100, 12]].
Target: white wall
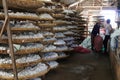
[[110, 14]]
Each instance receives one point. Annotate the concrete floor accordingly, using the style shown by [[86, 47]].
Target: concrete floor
[[82, 67]]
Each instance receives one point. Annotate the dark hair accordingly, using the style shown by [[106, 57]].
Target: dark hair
[[108, 21]]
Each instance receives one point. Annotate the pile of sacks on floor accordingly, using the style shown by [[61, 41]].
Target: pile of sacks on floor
[[86, 43], [85, 46]]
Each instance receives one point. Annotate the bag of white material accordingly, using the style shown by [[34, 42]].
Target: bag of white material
[[86, 43], [113, 39]]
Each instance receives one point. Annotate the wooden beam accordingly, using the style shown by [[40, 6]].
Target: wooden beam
[[91, 7], [10, 39]]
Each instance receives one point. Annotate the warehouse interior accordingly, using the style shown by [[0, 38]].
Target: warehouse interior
[[52, 40]]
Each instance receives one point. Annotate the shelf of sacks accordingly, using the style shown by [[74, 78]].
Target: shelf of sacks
[[61, 22], [58, 8], [75, 19], [81, 27], [29, 63], [61, 46], [47, 8], [52, 64], [29, 60], [61, 32], [44, 9], [49, 36], [58, 15], [68, 33], [60, 29], [27, 42], [82, 22], [20, 16], [57, 46], [27, 16], [50, 58], [20, 39], [27, 45], [49, 40], [53, 38], [69, 12], [22, 48], [21, 4], [30, 72], [60, 43], [48, 23], [79, 31], [25, 49], [48, 54], [37, 47], [27, 4], [45, 17], [22, 27], [24, 60], [53, 46]]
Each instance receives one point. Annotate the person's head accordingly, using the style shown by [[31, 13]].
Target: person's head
[[108, 21]]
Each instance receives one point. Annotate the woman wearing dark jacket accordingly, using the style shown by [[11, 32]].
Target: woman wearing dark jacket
[[94, 32]]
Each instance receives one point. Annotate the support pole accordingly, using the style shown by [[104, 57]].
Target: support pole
[[3, 27], [10, 39]]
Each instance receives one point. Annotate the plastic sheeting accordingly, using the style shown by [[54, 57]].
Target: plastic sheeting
[[86, 43], [113, 41]]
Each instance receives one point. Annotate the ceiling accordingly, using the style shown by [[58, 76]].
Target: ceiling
[[88, 2], [88, 6], [69, 2]]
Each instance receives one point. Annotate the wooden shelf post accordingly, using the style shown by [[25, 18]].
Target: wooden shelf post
[[9, 38]]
